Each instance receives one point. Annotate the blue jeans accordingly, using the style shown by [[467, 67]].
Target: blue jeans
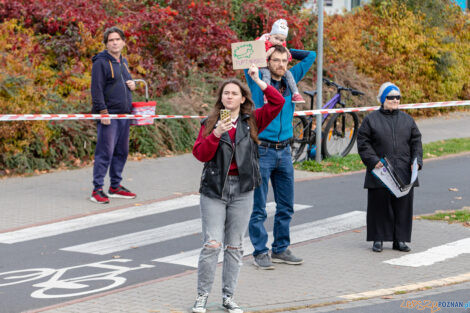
[[277, 166], [112, 148]]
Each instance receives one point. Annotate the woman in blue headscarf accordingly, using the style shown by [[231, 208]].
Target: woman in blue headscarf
[[389, 132]]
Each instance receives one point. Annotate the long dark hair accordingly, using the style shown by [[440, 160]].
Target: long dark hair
[[245, 108]]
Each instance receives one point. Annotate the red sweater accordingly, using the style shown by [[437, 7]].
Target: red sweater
[[205, 147]]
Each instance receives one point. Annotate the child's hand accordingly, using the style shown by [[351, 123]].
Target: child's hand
[[269, 52]]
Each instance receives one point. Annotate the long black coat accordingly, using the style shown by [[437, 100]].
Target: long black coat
[[393, 134]]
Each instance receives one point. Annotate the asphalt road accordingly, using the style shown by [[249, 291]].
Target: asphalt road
[[322, 198]]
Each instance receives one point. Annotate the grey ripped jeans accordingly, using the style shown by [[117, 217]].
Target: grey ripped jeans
[[224, 223]]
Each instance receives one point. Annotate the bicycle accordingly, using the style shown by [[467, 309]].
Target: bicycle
[[339, 134]]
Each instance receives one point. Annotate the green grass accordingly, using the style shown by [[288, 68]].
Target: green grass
[[349, 163], [452, 216], [352, 162], [445, 147]]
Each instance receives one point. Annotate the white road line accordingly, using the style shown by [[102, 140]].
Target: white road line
[[97, 220], [152, 236], [433, 255], [299, 233]]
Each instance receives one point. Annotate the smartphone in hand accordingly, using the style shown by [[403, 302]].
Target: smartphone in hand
[[224, 114]]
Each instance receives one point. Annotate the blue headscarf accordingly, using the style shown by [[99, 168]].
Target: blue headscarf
[[385, 90]]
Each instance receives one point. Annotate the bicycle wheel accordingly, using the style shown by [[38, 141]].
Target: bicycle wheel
[[340, 134], [299, 139]]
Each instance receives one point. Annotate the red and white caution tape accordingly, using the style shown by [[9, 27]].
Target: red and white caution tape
[[53, 117], [402, 106]]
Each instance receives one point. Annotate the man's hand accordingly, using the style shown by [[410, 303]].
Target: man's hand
[[379, 164], [131, 84], [105, 121], [223, 126]]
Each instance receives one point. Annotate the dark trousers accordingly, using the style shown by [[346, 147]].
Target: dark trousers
[[389, 218], [111, 152]]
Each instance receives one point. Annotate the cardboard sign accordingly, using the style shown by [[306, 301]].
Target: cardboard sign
[[248, 52]]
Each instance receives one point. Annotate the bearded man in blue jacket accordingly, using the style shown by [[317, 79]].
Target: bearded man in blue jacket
[[276, 163], [111, 93]]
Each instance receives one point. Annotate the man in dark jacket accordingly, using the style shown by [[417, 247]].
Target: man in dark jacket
[[389, 133], [111, 92]]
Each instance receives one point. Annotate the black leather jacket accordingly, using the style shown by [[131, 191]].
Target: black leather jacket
[[245, 151], [393, 134]]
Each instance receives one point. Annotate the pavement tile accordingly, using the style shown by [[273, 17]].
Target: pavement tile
[[355, 269]]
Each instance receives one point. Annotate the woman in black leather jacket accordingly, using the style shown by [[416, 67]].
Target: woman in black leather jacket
[[389, 132]]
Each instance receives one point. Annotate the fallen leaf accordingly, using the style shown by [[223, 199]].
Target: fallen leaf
[[458, 198], [357, 231], [417, 217], [387, 297], [453, 189], [116, 256]]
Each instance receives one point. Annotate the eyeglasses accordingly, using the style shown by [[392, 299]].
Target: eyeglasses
[[393, 97], [276, 61]]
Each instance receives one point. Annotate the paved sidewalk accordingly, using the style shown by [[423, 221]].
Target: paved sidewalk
[[319, 281], [39, 199], [334, 267]]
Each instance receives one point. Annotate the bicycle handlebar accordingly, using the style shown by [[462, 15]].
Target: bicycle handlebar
[[354, 92]]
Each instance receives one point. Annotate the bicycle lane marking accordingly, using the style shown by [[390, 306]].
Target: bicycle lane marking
[[48, 230], [71, 283], [154, 235]]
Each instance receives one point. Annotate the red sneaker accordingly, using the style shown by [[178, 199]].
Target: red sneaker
[[99, 196], [121, 192], [297, 98]]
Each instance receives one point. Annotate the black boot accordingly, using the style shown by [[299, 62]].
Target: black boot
[[401, 246], [377, 246]]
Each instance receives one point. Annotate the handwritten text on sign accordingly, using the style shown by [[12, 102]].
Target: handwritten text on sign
[[248, 52]]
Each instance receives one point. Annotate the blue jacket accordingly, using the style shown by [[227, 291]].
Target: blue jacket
[[108, 84], [280, 128]]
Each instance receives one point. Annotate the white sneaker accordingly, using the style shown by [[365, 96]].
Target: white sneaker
[[200, 304], [231, 306]]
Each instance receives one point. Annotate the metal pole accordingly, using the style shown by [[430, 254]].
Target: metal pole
[[319, 79]]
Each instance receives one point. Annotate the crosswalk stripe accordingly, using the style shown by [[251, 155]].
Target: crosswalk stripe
[[152, 236], [433, 255], [97, 220], [298, 233]]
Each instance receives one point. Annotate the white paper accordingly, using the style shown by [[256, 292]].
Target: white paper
[[385, 177]]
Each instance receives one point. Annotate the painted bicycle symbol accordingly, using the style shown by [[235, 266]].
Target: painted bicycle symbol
[[106, 277]]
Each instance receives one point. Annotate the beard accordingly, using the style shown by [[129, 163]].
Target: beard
[[278, 71]]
